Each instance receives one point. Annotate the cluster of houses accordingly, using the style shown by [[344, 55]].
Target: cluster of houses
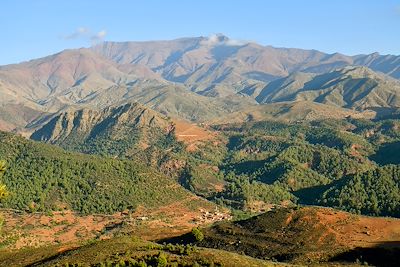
[[210, 217]]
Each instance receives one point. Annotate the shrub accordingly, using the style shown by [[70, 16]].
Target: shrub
[[197, 234]]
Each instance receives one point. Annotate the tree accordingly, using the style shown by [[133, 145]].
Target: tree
[[198, 235], [3, 188], [162, 260], [2, 167]]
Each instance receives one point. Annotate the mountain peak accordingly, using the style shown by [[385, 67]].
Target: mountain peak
[[359, 72], [221, 39], [192, 78]]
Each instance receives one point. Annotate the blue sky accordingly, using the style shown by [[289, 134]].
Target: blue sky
[[36, 28]]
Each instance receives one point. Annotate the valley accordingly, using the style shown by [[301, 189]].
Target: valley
[[200, 152]]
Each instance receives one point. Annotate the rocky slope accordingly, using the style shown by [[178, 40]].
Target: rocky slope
[[351, 87], [118, 130], [197, 79]]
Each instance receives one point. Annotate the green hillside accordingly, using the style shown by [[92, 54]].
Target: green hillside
[[128, 251], [252, 165], [42, 177], [330, 163], [376, 192]]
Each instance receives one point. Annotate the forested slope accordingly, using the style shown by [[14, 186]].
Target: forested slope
[[43, 177]]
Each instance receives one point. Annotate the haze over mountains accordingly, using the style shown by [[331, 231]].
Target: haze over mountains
[[198, 79]]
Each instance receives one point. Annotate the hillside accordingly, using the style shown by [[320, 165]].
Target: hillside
[[121, 130], [352, 87], [42, 177], [343, 164], [254, 165], [128, 251], [293, 111], [310, 236], [306, 236]]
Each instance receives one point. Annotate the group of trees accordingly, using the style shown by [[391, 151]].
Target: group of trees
[[42, 177], [332, 163], [325, 163], [374, 192], [3, 189]]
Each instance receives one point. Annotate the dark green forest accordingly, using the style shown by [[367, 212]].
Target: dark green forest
[[43, 177], [348, 164]]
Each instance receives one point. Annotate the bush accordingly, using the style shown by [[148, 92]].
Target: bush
[[162, 260], [197, 234]]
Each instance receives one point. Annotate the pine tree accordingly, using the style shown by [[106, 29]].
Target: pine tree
[[3, 188]]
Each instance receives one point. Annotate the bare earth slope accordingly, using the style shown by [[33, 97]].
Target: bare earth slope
[[197, 79]]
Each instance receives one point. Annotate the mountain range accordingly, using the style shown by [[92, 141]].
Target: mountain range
[[205, 141], [200, 79]]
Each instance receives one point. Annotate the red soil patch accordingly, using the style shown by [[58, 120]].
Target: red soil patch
[[191, 134], [219, 187], [355, 150], [36, 229], [359, 231], [172, 220], [23, 229]]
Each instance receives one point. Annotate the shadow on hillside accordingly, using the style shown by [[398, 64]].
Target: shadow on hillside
[[248, 167], [384, 113], [384, 254], [310, 195], [387, 154]]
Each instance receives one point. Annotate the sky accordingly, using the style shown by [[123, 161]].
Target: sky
[[36, 28]]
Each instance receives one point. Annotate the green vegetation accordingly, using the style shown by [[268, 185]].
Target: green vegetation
[[127, 251], [3, 189], [374, 192], [197, 234], [42, 177], [269, 162], [331, 163], [300, 235]]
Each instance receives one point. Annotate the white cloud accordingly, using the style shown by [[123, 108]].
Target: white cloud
[[236, 42], [213, 39], [98, 37], [220, 39]]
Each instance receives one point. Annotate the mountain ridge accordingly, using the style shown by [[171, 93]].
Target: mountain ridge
[[198, 79]]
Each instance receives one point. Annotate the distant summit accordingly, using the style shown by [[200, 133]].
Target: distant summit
[[198, 79]]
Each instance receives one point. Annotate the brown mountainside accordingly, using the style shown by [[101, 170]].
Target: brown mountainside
[[198, 79]]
